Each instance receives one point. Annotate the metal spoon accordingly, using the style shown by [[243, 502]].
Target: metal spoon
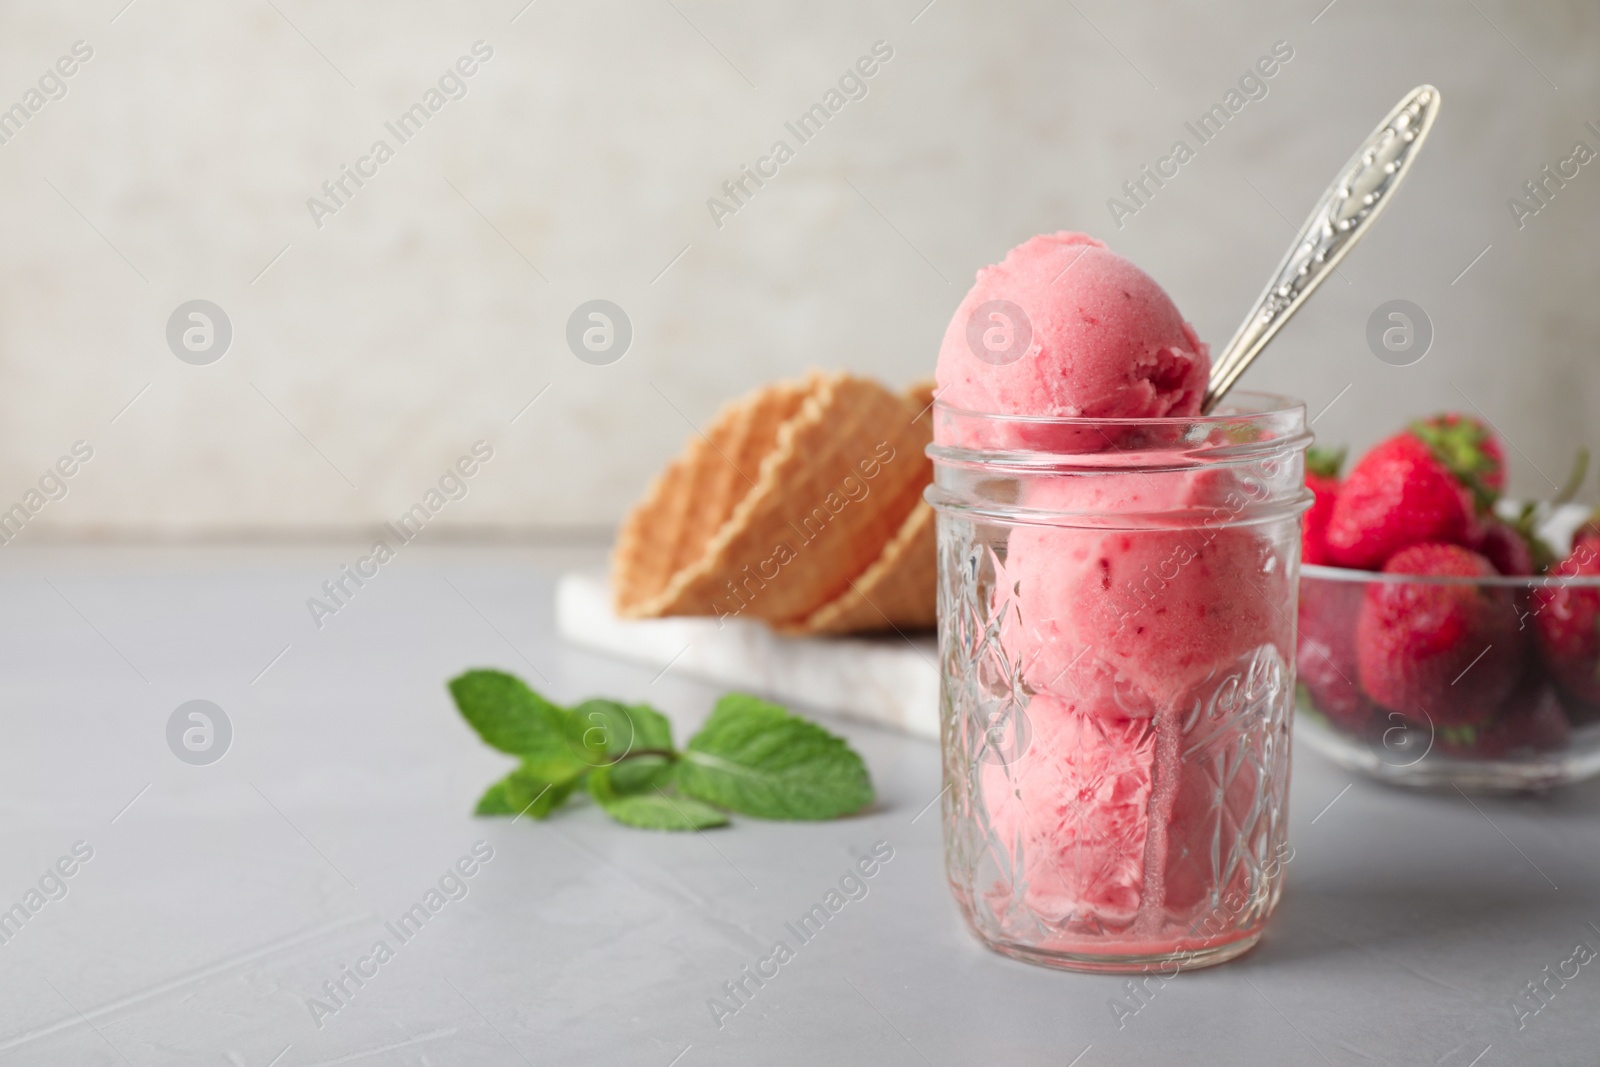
[[1356, 198]]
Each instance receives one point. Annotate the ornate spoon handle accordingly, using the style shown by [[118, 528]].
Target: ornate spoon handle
[[1356, 198]]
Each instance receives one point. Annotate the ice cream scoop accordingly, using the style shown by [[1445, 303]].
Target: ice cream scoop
[[1160, 612], [1079, 814], [1064, 327]]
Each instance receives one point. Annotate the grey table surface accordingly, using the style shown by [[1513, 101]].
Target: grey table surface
[[219, 899]]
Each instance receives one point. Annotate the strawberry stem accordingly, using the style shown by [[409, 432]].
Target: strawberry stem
[[1462, 446], [1325, 462], [1575, 477]]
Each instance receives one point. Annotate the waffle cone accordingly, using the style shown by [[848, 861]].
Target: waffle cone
[[687, 504], [898, 589], [896, 592], [791, 495], [920, 396]]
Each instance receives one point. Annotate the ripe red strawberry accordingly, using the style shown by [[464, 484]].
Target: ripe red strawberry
[[1502, 545], [1415, 641], [1566, 623], [1398, 495], [1322, 478], [1530, 721], [1469, 450], [1325, 657], [1589, 531], [1499, 538]]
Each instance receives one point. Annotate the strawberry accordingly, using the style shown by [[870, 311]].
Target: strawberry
[[1398, 495], [1505, 546], [1416, 640], [1531, 720], [1326, 654], [1588, 531], [1514, 546], [1566, 624], [1322, 478], [1470, 450]]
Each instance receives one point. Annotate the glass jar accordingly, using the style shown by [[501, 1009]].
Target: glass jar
[[1116, 636]]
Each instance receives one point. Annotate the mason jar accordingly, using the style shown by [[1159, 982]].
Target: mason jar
[[1117, 650]]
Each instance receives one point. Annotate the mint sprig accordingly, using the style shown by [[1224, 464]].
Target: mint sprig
[[751, 757]]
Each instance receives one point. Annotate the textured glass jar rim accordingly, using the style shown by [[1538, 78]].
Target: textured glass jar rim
[[1344, 575], [1253, 445], [1254, 426]]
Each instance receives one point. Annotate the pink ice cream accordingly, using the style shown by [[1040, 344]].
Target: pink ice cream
[[1102, 339], [1160, 610], [1132, 800], [1140, 648]]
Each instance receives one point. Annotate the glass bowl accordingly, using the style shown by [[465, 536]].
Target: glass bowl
[[1514, 718]]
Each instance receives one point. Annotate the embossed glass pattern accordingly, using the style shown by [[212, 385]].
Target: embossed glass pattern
[[1116, 631]]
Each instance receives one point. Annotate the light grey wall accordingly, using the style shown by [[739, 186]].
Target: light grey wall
[[432, 307]]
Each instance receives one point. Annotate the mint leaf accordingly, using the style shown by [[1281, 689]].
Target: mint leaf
[[606, 730], [756, 758], [514, 719], [637, 774], [524, 791], [648, 801], [662, 812], [494, 802]]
